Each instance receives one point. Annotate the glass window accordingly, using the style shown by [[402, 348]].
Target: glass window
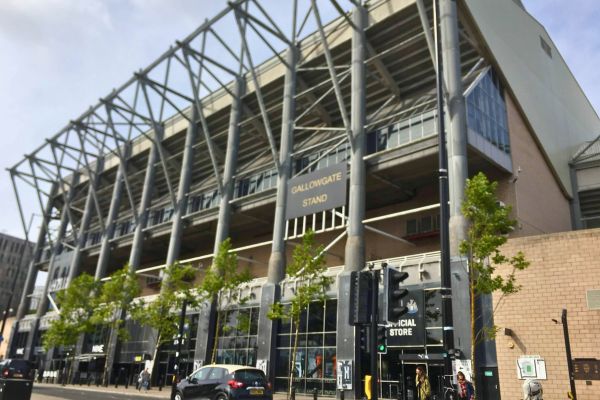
[[238, 337], [202, 373], [486, 111], [217, 373], [315, 352]]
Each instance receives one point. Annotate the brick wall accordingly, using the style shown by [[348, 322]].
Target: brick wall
[[563, 266]]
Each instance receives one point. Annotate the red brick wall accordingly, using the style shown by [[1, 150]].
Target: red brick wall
[[563, 266]]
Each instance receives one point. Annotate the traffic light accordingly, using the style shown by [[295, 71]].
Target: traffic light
[[382, 339], [392, 279], [360, 295], [363, 337]]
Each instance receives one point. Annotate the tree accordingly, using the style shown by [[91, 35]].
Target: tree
[[490, 223], [223, 278], [114, 302], [307, 269], [177, 287], [76, 304]]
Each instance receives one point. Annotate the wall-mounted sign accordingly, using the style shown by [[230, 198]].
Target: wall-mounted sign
[[317, 191], [586, 369], [98, 348], [20, 351], [344, 374], [410, 328], [531, 367], [463, 366]]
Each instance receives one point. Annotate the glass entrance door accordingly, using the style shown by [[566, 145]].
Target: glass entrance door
[[407, 384]]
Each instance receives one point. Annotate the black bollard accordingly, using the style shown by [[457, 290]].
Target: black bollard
[[293, 393], [315, 394], [342, 394]]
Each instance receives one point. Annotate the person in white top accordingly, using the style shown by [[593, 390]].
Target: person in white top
[[532, 390]]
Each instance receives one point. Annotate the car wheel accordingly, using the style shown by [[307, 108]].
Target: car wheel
[[178, 396], [222, 396]]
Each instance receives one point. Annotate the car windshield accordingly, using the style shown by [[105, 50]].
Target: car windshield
[[249, 375]]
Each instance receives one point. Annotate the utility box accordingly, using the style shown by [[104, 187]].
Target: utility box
[[13, 389]]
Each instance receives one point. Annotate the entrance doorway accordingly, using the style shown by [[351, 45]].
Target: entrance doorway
[[398, 376]]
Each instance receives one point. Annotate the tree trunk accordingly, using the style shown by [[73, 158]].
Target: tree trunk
[[473, 330], [155, 355], [293, 358], [216, 338]]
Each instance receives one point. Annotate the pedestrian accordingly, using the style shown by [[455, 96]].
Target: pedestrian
[[145, 376], [466, 391], [532, 390], [423, 386]]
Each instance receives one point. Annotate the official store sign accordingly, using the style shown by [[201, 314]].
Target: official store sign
[[409, 330], [317, 191]]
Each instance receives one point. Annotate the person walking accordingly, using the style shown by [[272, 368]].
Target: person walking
[[145, 376], [466, 391], [423, 386]]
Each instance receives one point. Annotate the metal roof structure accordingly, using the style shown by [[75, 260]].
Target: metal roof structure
[[197, 76]]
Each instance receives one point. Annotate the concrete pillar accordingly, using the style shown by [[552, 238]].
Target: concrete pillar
[[347, 348], [32, 270], [182, 191], [56, 250], [85, 222], [138, 236], [113, 214], [271, 292], [457, 128], [207, 320]]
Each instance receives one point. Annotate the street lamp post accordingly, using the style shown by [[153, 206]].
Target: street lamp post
[[565, 325], [447, 320]]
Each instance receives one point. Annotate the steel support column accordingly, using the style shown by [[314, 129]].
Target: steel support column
[[56, 251], [270, 292], [113, 214], [347, 348], [207, 321], [85, 221], [457, 137], [138, 236], [182, 191], [36, 256], [32, 270]]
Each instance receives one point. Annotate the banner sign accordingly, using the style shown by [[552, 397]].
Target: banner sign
[[317, 191], [344, 374], [410, 328], [586, 369]]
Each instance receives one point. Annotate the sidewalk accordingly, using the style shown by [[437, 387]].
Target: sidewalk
[[153, 393]]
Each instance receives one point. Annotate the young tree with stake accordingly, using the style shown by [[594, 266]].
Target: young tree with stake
[[307, 269], [490, 223]]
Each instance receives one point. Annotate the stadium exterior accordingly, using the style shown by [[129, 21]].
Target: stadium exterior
[[201, 145]]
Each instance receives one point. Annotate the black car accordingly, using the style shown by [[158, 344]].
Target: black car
[[225, 382], [13, 368]]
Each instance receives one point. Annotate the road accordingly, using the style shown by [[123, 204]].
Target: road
[[59, 393]]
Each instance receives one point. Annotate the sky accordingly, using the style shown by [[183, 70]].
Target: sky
[[60, 56]]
